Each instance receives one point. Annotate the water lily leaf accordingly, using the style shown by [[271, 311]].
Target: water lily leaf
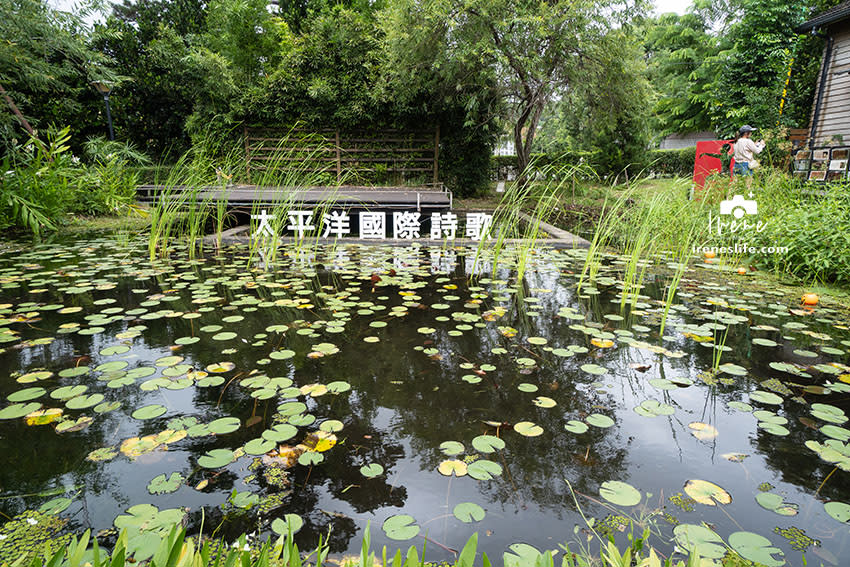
[[290, 523], [594, 369], [482, 469], [224, 425], [526, 387], [83, 402], [291, 408], [452, 448], [15, 411], [836, 432], [149, 412], [66, 392], [740, 406], [338, 387], [775, 503], [259, 446], [310, 458], [26, 394], [280, 433], [619, 493], [654, 408], [599, 420], [838, 510], [371, 470], [701, 540], [574, 426], [732, 369], [452, 466], [400, 527], [487, 444], [706, 492], [528, 429], [521, 555], [703, 431], [544, 402], [468, 512], [830, 413], [162, 484], [221, 367], [102, 454], [216, 458], [756, 548], [765, 397]]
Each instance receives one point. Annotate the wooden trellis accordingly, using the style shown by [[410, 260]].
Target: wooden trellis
[[350, 156]]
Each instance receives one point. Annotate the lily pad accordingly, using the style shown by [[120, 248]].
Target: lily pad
[[482, 469], [162, 484], [701, 540], [259, 446], [15, 411], [775, 503], [149, 412], [574, 426], [599, 420], [469, 512], [216, 458], [487, 444], [838, 510], [528, 429], [400, 527], [452, 466], [224, 425], [706, 492], [452, 448], [756, 548], [371, 470], [619, 493], [290, 523]]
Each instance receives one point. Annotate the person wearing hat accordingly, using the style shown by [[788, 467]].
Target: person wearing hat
[[745, 151]]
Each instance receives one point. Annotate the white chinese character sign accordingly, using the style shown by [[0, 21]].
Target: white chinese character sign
[[375, 225]]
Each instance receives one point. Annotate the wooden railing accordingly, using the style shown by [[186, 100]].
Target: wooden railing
[[350, 157]]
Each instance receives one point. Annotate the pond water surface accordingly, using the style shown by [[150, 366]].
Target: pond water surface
[[372, 382]]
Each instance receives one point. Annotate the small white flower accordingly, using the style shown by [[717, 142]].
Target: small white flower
[[32, 521]]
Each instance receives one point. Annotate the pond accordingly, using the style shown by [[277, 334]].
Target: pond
[[420, 391]]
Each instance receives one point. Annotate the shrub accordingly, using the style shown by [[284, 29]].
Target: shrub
[[677, 163]]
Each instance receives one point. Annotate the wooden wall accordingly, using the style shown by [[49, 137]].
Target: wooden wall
[[834, 119]]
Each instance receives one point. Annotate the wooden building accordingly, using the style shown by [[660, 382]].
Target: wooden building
[[830, 118]]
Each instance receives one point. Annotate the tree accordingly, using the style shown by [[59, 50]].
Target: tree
[[533, 50], [676, 50], [45, 68]]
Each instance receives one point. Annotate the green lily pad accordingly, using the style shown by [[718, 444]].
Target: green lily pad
[[280, 433], [149, 412], [482, 469], [775, 503], [216, 458], [162, 484], [594, 369], [599, 420], [700, 540], [452, 448], [619, 493], [310, 458], [528, 429], [259, 446], [371, 470], [224, 425], [290, 523], [66, 392], [706, 492], [331, 426], [55, 506], [765, 397], [26, 394], [487, 444], [83, 402], [468, 512], [526, 387], [575, 426], [15, 411], [838, 510], [756, 548], [400, 527]]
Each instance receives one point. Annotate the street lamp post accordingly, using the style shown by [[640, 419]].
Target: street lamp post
[[104, 89]]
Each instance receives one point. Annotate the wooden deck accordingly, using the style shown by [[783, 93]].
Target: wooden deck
[[248, 197]]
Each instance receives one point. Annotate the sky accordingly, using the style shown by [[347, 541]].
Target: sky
[[678, 6]]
